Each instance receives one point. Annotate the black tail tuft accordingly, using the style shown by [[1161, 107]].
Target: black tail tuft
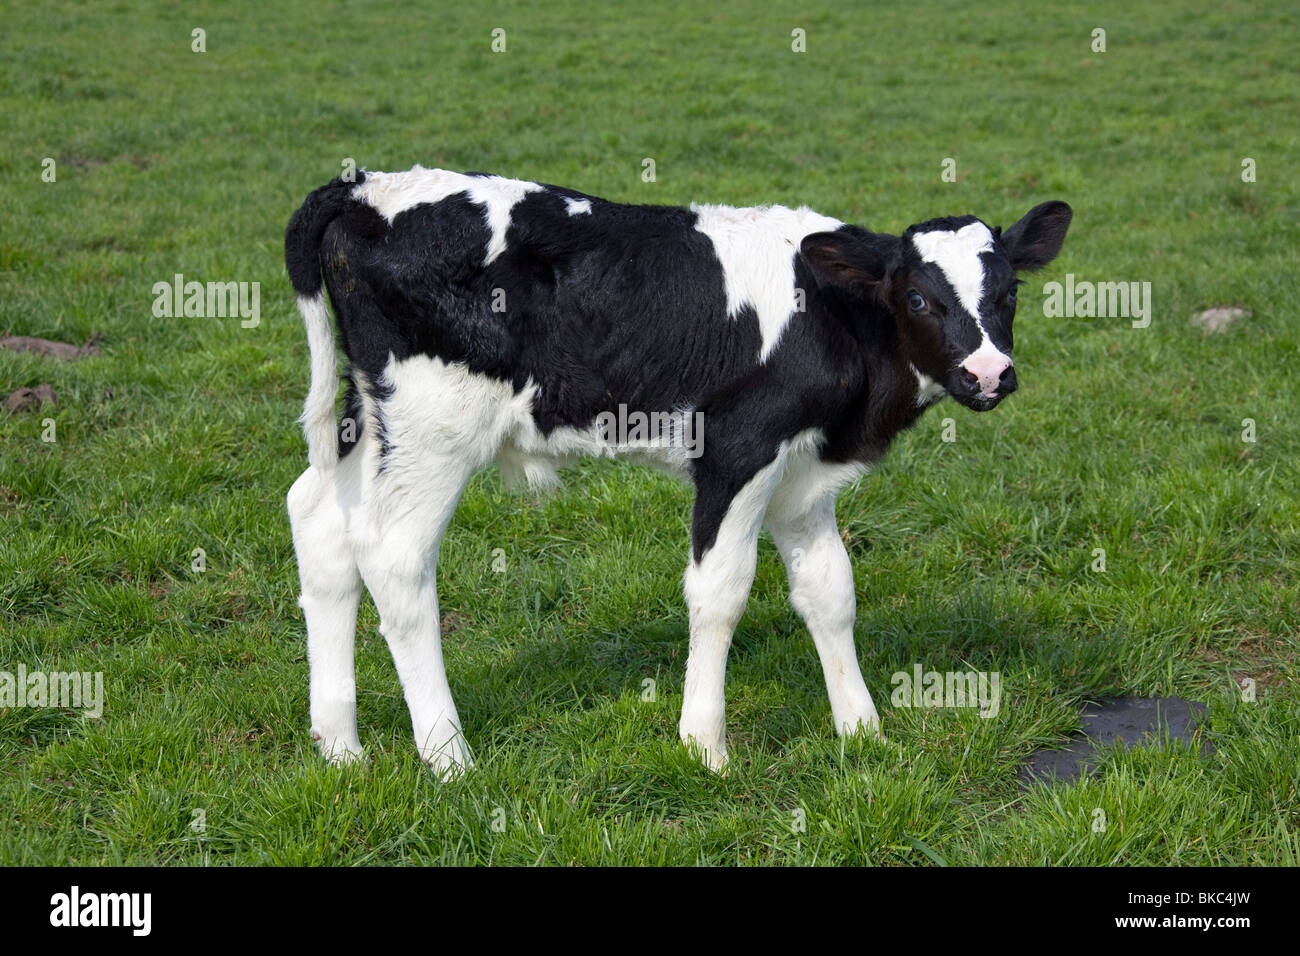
[[306, 230]]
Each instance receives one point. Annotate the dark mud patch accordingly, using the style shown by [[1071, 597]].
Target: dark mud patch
[[1131, 721]]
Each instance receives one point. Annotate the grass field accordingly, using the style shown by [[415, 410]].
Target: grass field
[[976, 553]]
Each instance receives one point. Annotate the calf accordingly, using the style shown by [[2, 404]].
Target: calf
[[493, 320]]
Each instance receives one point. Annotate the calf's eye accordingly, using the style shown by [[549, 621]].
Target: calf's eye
[[915, 301]]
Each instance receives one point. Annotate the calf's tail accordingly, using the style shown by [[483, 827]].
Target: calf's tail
[[302, 242]]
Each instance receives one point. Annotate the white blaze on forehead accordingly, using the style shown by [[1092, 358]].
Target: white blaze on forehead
[[393, 193], [957, 254]]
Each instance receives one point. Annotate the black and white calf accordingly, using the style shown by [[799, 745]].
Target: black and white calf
[[493, 320]]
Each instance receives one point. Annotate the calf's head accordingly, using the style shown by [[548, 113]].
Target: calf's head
[[951, 287]]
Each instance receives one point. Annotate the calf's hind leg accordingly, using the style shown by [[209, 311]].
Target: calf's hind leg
[[331, 588], [398, 558]]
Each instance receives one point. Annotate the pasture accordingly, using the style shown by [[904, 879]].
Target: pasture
[[148, 541]]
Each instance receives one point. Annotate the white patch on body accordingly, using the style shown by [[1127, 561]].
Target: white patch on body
[[807, 479], [441, 405], [393, 193], [578, 207], [756, 246], [447, 405]]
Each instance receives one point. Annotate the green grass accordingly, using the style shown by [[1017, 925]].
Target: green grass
[[971, 554]]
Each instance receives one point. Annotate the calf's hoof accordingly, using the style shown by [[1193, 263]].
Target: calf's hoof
[[337, 751], [712, 754], [450, 761]]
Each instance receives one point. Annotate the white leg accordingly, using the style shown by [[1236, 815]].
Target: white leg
[[398, 560], [717, 590], [331, 589], [821, 590], [440, 424]]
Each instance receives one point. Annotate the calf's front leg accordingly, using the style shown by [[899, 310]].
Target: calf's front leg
[[821, 590], [716, 585]]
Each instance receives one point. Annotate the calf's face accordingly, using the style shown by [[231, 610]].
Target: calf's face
[[951, 287]]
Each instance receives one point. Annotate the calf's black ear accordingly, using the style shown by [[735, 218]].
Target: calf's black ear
[[1035, 240], [845, 260]]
